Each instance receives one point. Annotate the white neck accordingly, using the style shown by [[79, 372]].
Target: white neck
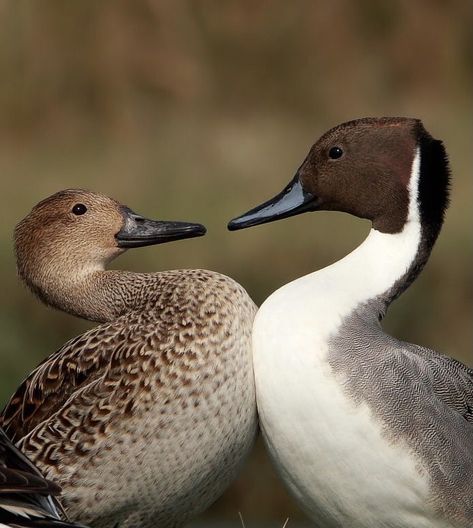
[[365, 274]]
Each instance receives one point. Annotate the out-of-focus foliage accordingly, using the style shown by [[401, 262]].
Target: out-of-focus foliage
[[200, 109]]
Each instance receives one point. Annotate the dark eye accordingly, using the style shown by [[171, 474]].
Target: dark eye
[[79, 209], [335, 153]]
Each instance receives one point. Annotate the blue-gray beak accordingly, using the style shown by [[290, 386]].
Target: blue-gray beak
[[293, 200]]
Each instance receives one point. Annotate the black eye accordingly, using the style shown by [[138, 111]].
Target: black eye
[[79, 209], [335, 153]]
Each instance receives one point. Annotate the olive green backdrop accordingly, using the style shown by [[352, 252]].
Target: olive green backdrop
[[198, 110]]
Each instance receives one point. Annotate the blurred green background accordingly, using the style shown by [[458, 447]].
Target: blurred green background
[[198, 110]]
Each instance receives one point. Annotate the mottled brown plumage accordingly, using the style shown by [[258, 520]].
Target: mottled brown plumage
[[146, 418]]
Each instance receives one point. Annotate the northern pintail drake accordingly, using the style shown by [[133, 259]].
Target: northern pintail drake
[[145, 419], [27, 499], [367, 431]]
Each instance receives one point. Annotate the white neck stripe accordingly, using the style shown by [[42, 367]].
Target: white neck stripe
[[413, 188]]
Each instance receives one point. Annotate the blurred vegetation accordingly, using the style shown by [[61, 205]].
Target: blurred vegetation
[[200, 109]]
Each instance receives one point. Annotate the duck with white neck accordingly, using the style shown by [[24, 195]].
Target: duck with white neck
[[367, 431]]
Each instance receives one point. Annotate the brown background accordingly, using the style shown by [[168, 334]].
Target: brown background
[[198, 110]]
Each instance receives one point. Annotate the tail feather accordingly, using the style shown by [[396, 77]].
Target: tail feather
[[21, 516], [27, 499]]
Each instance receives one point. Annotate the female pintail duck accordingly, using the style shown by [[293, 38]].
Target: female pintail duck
[[367, 431], [145, 419], [27, 499]]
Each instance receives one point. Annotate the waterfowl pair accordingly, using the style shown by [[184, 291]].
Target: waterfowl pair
[[146, 418], [27, 499], [367, 431]]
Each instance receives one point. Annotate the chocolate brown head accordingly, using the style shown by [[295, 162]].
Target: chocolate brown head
[[75, 232], [364, 168]]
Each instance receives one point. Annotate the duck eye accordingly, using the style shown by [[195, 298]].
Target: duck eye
[[79, 209], [335, 153]]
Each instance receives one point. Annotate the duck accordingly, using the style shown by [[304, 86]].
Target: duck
[[145, 419], [366, 430], [27, 499]]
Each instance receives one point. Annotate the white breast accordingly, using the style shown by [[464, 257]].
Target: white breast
[[331, 453]]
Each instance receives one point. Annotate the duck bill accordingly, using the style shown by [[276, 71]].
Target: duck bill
[[138, 231], [291, 201]]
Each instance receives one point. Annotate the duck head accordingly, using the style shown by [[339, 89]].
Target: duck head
[[75, 232], [364, 168]]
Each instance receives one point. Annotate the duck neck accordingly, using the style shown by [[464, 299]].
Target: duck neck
[[376, 272], [383, 266], [100, 295]]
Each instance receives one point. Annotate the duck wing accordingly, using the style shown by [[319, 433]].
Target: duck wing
[[78, 363], [85, 392], [451, 380], [66, 407]]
